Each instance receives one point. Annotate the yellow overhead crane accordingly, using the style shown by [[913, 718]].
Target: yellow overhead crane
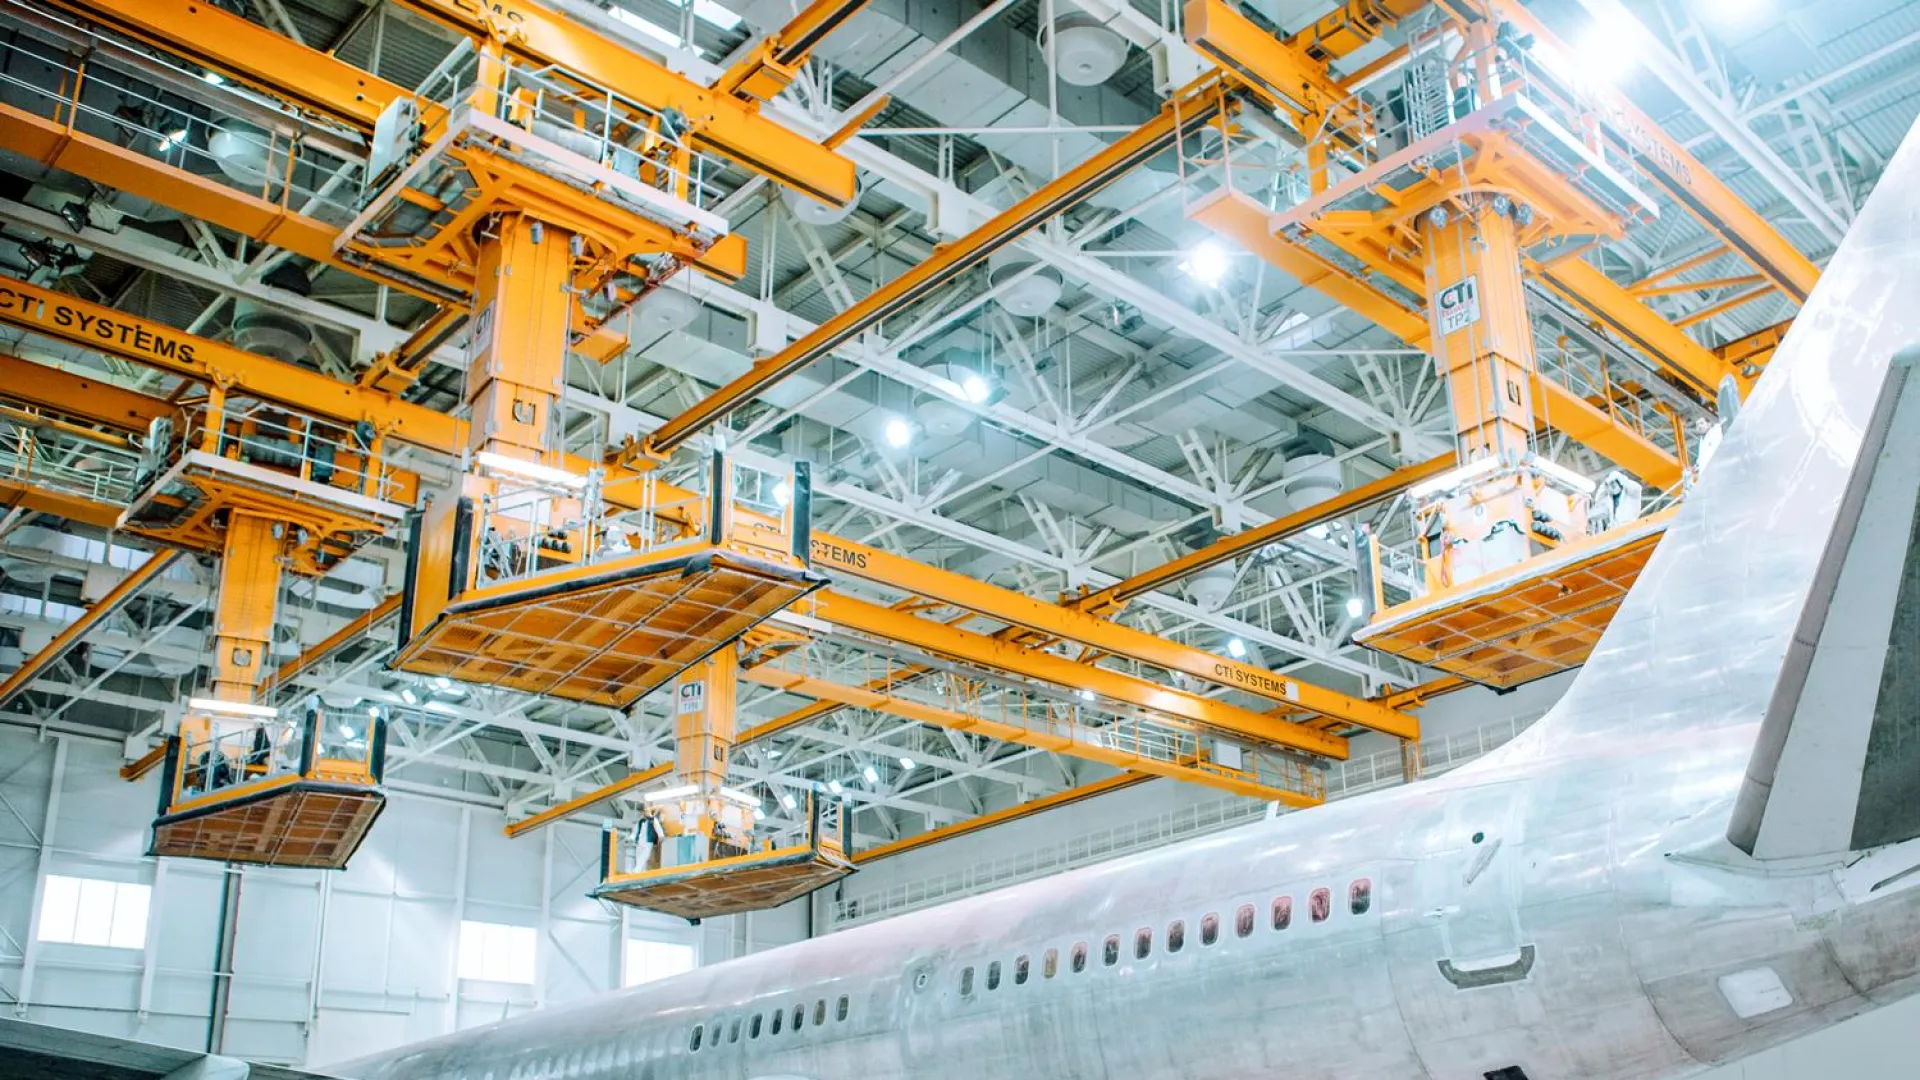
[[1428, 213], [269, 490]]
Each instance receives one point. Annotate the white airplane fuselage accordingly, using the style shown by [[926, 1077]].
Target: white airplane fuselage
[[1529, 911]]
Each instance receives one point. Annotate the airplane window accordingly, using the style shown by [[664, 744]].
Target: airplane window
[[799, 1015], [820, 1013], [693, 1040], [777, 1014], [1176, 936], [966, 982], [840, 1009], [1050, 964], [1360, 896], [1110, 952], [1079, 957], [1209, 929], [1319, 905], [993, 975], [753, 1026], [1020, 966], [1243, 920], [1282, 912], [1142, 943], [733, 1031]]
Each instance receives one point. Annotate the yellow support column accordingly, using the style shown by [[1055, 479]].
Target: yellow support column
[[704, 727], [1483, 343], [521, 314], [249, 596]]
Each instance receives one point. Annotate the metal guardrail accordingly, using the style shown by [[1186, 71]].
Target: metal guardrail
[[1353, 777]]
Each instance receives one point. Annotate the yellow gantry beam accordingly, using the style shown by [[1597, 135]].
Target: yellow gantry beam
[[773, 63], [1189, 112], [980, 650], [252, 54], [1662, 158], [1025, 809], [1103, 635], [1005, 731], [157, 563], [1275, 531]]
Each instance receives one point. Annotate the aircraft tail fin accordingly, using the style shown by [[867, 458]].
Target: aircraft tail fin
[[1778, 623]]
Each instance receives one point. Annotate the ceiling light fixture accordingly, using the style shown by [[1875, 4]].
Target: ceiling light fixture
[[1354, 607], [872, 776], [898, 432], [1238, 648], [907, 764], [975, 388], [788, 801], [1206, 263], [834, 786], [232, 708]]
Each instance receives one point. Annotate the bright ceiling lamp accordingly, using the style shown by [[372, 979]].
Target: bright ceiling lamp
[[898, 433], [834, 787], [873, 777], [1354, 607], [533, 471], [782, 493], [975, 388], [1206, 263], [232, 708], [906, 763], [1238, 648], [1606, 52]]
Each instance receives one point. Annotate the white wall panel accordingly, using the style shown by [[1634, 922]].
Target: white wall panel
[[326, 967]]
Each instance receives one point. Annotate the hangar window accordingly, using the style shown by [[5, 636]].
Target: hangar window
[[993, 975], [1020, 969], [799, 1015], [1142, 943], [1319, 905], [1110, 952], [778, 1014], [733, 1031], [840, 1010], [1209, 928], [966, 981], [1282, 912], [753, 1026], [1050, 964], [496, 952], [820, 1013], [1360, 896], [693, 1040], [1243, 920], [1176, 936], [1079, 957], [86, 911]]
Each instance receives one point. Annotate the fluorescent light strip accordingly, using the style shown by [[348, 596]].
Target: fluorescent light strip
[[679, 791], [528, 470], [740, 797], [233, 708], [1447, 481], [1565, 475]]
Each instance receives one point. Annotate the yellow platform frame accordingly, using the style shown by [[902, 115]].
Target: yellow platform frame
[[312, 818], [1530, 620], [751, 881]]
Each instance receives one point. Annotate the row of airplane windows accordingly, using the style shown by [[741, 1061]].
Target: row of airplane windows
[[1319, 909], [770, 1023]]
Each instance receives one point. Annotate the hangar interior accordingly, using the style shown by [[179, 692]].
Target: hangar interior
[[504, 502]]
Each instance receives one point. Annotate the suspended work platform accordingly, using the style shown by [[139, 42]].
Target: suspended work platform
[[696, 878], [1529, 620], [254, 789], [557, 598]]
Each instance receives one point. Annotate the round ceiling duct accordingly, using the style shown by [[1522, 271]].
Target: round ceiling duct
[[663, 312], [816, 213], [240, 152], [1310, 479], [1085, 52], [1031, 296], [937, 414], [1210, 587]]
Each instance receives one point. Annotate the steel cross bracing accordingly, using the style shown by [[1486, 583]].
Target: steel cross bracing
[[1051, 448]]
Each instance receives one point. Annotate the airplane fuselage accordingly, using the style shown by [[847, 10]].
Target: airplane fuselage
[[1563, 907]]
